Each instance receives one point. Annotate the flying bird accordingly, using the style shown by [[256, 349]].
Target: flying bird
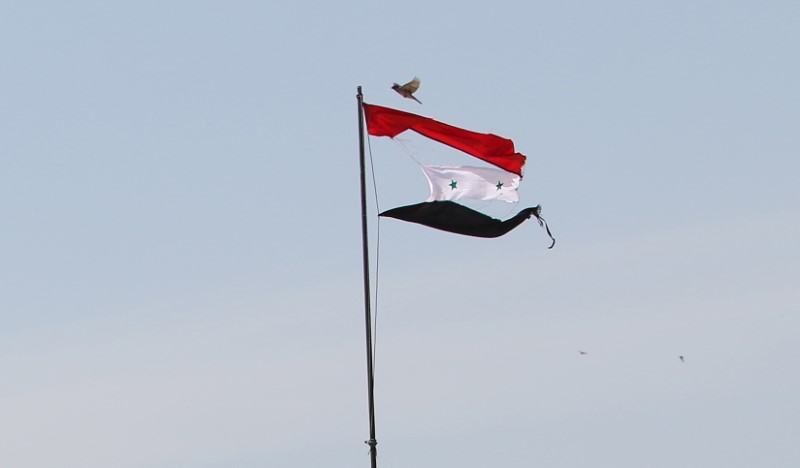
[[681, 358], [408, 89], [582, 352]]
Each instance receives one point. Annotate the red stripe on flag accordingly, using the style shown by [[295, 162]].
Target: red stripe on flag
[[384, 121]]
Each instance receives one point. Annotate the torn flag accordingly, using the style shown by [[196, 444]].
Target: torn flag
[[477, 183], [384, 121]]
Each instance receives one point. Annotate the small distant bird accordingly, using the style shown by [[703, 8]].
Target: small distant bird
[[582, 352], [681, 358], [408, 89]]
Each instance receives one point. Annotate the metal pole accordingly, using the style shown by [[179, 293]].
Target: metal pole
[[373, 451]]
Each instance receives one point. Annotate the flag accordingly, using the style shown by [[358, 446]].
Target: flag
[[479, 183], [451, 217], [384, 121]]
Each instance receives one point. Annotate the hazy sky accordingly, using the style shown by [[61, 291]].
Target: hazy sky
[[180, 269]]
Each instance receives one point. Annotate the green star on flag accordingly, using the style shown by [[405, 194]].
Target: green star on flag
[[453, 184], [499, 185]]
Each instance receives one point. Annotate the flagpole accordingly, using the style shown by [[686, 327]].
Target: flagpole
[[373, 451]]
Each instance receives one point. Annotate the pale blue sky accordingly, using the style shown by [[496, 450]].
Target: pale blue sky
[[180, 271]]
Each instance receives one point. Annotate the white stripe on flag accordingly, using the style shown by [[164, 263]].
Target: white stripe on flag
[[479, 183]]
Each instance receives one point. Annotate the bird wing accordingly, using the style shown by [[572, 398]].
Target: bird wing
[[412, 86]]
